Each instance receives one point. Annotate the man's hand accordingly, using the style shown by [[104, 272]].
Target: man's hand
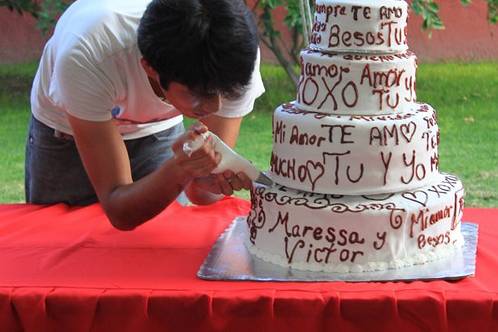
[[202, 161], [224, 183], [209, 189]]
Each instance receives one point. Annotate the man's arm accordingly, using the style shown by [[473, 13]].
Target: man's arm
[[225, 128], [127, 203]]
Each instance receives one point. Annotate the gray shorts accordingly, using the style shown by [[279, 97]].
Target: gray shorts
[[54, 172]]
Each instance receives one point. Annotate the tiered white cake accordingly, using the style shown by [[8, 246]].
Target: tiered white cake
[[355, 157]]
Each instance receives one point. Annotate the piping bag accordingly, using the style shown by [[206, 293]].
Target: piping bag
[[230, 160]]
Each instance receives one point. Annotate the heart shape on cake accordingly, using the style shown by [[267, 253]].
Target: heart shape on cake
[[315, 171], [418, 196], [408, 130]]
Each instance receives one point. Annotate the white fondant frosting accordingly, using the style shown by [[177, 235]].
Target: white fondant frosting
[[337, 233], [356, 84], [360, 26], [354, 155]]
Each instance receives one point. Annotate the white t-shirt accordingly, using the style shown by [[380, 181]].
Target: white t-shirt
[[91, 69]]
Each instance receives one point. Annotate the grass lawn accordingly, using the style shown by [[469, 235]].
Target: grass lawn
[[465, 96]]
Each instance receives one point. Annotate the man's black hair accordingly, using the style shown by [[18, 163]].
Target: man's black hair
[[208, 45]]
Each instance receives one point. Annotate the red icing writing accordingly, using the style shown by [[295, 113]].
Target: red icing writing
[[434, 162], [433, 241], [417, 170], [343, 132], [381, 78], [334, 238], [311, 171], [363, 11], [278, 132], [410, 87], [431, 139], [418, 196], [330, 71], [331, 11], [386, 164], [381, 136], [300, 138], [338, 37], [378, 58], [385, 96], [337, 157], [382, 240], [390, 12], [424, 219]]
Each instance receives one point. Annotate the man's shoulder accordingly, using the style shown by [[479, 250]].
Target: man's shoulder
[[98, 28]]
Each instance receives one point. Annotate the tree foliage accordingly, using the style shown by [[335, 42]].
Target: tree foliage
[[20, 6], [429, 10], [47, 11], [286, 54]]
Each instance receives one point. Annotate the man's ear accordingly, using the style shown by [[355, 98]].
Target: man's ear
[[148, 69]]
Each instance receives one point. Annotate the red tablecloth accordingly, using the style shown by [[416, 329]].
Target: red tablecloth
[[67, 269]]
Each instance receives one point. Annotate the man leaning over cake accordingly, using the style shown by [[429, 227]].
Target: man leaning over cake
[[108, 98]]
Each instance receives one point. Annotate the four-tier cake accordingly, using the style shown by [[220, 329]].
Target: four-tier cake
[[355, 156]]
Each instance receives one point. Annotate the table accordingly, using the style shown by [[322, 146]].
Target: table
[[67, 269]]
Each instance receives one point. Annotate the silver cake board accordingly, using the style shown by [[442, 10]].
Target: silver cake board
[[229, 259]]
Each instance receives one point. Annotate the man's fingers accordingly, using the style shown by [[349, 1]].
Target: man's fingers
[[233, 180], [226, 187], [209, 183], [245, 181]]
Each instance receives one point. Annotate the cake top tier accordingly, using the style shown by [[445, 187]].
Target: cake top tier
[[363, 26], [356, 84]]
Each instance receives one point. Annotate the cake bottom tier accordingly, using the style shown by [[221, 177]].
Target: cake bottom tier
[[335, 233]]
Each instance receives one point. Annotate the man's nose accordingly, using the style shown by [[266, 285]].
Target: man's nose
[[212, 104]]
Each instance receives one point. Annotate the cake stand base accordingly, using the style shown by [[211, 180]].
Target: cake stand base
[[229, 259]]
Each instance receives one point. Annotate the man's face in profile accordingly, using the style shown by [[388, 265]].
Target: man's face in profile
[[191, 104]]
